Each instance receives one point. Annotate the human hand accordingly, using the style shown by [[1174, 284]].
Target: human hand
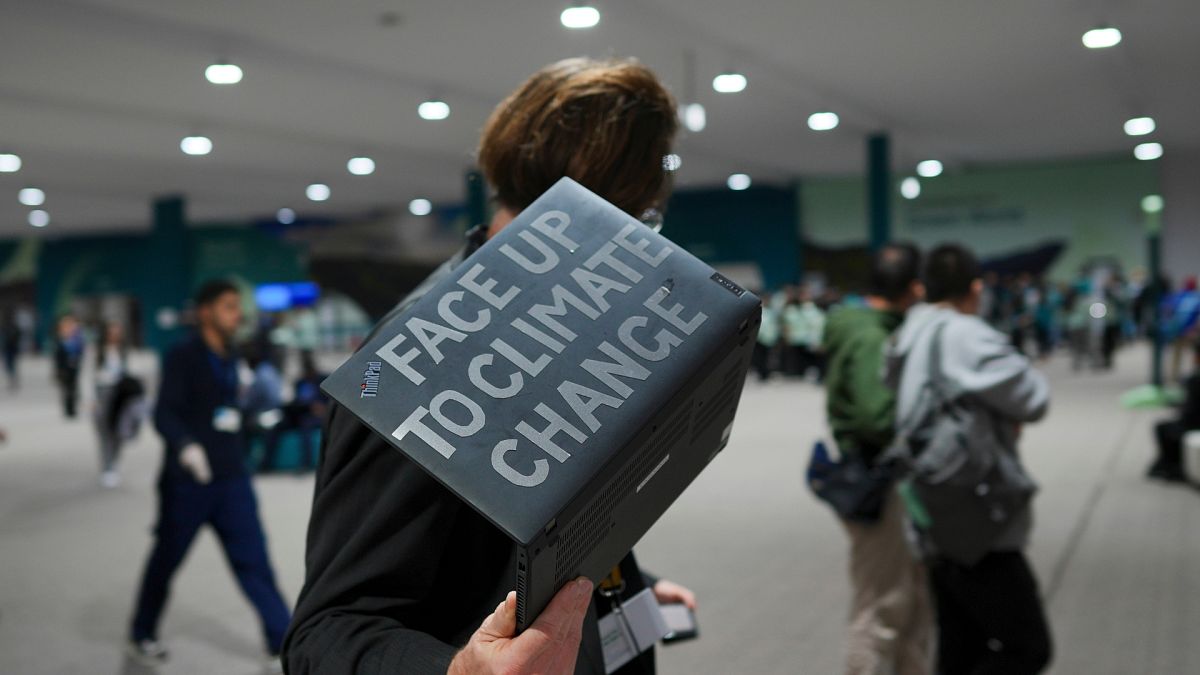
[[668, 592], [193, 459], [548, 647]]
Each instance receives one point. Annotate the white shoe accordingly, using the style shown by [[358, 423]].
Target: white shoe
[[110, 479], [147, 652]]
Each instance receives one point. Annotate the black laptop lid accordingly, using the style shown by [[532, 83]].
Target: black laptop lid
[[517, 377]]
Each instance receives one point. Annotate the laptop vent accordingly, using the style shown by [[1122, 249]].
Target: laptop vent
[[714, 408], [590, 527], [521, 599]]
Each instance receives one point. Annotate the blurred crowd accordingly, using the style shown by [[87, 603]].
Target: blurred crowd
[[1090, 318], [95, 378]]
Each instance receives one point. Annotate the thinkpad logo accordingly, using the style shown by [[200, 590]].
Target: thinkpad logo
[[728, 284], [370, 382]]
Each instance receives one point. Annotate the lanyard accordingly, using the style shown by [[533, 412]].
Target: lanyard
[[611, 588], [225, 371]]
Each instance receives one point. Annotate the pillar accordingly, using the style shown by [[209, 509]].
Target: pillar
[[166, 284], [879, 190]]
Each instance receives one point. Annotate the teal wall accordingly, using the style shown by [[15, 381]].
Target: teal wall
[[757, 225], [1093, 207], [127, 264], [18, 260]]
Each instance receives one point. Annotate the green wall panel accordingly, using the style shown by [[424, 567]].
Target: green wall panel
[[1093, 207]]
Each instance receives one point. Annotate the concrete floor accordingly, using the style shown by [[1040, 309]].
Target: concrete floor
[[1118, 556]]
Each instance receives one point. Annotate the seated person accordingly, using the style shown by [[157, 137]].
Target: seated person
[[1169, 464]]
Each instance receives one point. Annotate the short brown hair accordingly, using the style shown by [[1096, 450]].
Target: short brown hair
[[605, 123]]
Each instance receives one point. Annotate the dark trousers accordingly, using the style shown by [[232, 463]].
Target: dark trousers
[[1108, 343], [10, 365], [1045, 339], [69, 388], [761, 360], [228, 504], [1018, 339], [990, 617], [1170, 444]]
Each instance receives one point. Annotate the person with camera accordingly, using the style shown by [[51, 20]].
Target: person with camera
[[963, 393]]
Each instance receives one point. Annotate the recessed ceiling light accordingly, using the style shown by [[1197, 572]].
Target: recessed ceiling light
[[1140, 126], [434, 110], [318, 192], [1152, 203], [39, 218], [285, 216], [729, 83], [9, 163], [196, 145], [361, 166], [223, 73], [1146, 151], [579, 16], [31, 196], [694, 117], [930, 168], [1101, 37], [672, 162], [910, 188], [738, 181], [823, 121], [420, 207]]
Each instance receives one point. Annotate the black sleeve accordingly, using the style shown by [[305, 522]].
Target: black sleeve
[[173, 399], [376, 538]]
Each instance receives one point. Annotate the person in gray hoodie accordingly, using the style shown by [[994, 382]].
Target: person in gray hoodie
[[990, 614]]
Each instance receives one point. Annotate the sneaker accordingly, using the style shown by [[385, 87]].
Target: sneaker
[[110, 479], [1172, 473], [147, 652]]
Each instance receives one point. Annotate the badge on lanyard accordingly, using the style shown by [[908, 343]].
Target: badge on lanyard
[[227, 419], [632, 627]]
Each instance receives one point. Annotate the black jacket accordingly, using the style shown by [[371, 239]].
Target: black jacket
[[194, 383], [400, 572]]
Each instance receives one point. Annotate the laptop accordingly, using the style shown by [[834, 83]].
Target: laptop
[[568, 381]]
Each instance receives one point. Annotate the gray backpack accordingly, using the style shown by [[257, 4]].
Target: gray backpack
[[962, 487]]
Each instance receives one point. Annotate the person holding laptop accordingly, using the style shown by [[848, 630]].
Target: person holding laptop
[[403, 577]]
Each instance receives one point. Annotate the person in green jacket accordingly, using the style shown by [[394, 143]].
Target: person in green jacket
[[891, 622]]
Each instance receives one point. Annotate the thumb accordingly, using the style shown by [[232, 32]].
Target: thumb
[[566, 610], [503, 622]]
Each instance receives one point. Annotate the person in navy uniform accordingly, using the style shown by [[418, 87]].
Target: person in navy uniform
[[204, 480]]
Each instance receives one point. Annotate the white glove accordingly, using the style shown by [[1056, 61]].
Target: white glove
[[193, 459]]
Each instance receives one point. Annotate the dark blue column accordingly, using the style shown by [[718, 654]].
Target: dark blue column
[[798, 228], [879, 190], [477, 211], [1154, 258], [167, 282]]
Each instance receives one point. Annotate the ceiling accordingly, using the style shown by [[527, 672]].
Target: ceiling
[[95, 95]]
